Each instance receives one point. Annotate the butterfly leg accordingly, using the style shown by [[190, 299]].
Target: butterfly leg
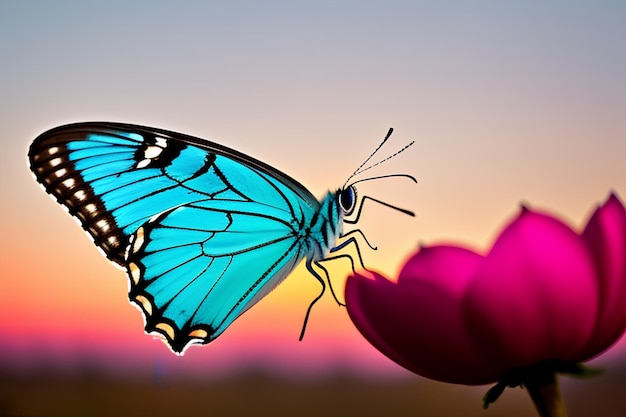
[[330, 285], [352, 240], [309, 266], [318, 263]]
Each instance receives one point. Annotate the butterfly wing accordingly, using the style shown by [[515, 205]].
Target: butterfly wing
[[114, 177], [183, 202], [196, 268]]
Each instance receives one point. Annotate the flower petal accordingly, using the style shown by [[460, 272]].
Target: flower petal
[[370, 301], [605, 235], [535, 296], [419, 321]]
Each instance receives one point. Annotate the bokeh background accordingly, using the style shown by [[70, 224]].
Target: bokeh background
[[508, 102]]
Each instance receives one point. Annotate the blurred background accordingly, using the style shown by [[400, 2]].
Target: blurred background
[[508, 102]]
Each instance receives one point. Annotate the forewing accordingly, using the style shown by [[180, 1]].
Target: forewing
[[114, 177]]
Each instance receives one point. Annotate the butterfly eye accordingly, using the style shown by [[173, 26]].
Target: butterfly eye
[[347, 200]]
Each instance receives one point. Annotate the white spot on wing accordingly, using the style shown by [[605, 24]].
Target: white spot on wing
[[147, 306], [169, 330], [152, 152], [143, 163], [60, 172], [134, 272], [199, 333], [69, 183], [80, 195], [138, 241], [103, 225]]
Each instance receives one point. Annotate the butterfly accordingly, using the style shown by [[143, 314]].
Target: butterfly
[[203, 231]]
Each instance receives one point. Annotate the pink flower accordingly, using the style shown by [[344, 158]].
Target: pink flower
[[543, 294]]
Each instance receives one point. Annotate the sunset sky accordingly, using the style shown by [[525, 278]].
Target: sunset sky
[[507, 102]]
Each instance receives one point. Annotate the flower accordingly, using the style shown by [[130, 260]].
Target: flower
[[544, 294]]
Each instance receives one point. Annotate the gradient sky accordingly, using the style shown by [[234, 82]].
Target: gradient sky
[[508, 102]]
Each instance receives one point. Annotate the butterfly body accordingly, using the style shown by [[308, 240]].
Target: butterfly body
[[203, 231]]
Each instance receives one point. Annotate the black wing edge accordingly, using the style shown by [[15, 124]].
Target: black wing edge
[[52, 169], [113, 127]]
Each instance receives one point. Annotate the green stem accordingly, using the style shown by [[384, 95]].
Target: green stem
[[543, 388]]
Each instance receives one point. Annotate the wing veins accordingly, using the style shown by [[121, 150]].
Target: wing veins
[[191, 281], [246, 250], [244, 213], [217, 280], [260, 280]]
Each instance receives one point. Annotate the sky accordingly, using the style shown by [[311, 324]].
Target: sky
[[507, 102]]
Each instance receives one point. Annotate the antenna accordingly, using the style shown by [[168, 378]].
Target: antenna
[[361, 168]]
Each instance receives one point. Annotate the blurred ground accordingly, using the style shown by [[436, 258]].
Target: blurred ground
[[94, 394]]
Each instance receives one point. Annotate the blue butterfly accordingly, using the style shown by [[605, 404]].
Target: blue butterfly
[[203, 231]]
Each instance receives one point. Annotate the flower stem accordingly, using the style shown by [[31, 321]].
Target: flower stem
[[544, 390]]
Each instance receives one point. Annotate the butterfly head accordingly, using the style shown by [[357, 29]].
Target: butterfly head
[[347, 198]]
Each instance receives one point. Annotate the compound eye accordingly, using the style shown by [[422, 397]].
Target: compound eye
[[347, 200]]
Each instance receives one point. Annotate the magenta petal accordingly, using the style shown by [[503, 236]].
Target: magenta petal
[[370, 301], [419, 321], [605, 235], [535, 297]]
